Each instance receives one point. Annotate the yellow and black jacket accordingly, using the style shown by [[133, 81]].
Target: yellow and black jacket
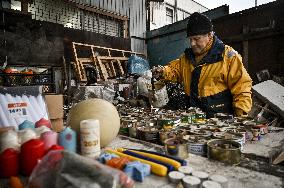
[[218, 84]]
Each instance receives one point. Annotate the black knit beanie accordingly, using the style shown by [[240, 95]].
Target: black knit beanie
[[198, 24]]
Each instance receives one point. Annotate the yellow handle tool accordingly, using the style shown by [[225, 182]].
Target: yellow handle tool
[[172, 162], [157, 169]]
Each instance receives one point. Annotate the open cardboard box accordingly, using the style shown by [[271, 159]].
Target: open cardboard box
[[55, 110]]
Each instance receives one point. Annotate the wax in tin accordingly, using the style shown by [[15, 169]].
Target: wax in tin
[[67, 139], [90, 138]]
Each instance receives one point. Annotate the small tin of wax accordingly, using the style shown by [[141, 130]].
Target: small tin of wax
[[223, 181], [191, 182], [210, 184], [187, 170], [175, 176]]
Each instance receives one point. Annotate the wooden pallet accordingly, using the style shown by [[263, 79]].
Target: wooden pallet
[[108, 65]]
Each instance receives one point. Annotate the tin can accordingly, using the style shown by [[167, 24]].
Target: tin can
[[197, 148], [90, 138], [176, 147], [263, 128]]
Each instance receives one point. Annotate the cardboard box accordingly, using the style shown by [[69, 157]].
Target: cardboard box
[[54, 106], [55, 110], [57, 124]]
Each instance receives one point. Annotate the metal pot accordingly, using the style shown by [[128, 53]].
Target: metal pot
[[226, 151]]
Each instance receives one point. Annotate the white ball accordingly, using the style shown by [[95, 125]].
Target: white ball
[[101, 110]]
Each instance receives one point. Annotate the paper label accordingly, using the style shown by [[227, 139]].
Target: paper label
[[17, 109]]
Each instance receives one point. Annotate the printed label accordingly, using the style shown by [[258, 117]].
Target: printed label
[[17, 109]]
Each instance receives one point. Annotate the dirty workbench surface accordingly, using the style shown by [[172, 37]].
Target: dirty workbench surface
[[238, 177]]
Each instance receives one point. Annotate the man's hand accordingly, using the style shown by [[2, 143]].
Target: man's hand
[[157, 71]]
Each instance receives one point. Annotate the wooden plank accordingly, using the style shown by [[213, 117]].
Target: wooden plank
[[102, 68], [81, 74], [120, 67], [85, 60]]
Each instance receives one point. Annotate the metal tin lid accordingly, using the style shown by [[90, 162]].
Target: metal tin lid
[[200, 174], [185, 169], [211, 184], [218, 178], [175, 176], [191, 180]]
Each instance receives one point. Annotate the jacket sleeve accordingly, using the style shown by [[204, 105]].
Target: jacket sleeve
[[171, 72], [240, 84]]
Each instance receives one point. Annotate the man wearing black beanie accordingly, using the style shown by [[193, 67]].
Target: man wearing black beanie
[[212, 73]]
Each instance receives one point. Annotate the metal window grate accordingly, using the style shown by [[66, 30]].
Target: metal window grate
[[58, 11]]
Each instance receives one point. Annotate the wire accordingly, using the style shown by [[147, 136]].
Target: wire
[[5, 42]]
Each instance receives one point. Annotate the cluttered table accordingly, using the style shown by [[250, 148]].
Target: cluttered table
[[238, 177]]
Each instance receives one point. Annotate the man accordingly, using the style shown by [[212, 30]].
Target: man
[[212, 73]]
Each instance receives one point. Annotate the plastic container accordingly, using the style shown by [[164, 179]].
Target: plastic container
[[90, 138]]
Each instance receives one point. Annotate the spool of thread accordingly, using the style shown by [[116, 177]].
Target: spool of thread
[[9, 163], [90, 138], [55, 147], [15, 182], [43, 122], [26, 124], [41, 130], [210, 184], [191, 182], [49, 138], [203, 176], [26, 135], [67, 139], [9, 139], [31, 152], [223, 181]]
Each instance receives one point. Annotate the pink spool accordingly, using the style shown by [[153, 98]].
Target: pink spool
[[43, 122], [49, 138]]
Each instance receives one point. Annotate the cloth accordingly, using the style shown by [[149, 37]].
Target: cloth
[[218, 84]]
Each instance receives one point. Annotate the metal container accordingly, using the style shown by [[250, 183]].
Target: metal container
[[197, 148], [176, 147], [226, 151]]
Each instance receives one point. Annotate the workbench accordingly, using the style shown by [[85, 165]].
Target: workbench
[[240, 176]]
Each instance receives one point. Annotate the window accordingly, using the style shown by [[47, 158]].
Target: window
[[169, 15]]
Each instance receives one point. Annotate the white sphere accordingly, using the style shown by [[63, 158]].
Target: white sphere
[[101, 110]]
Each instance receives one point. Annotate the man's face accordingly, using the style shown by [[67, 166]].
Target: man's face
[[199, 42]]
